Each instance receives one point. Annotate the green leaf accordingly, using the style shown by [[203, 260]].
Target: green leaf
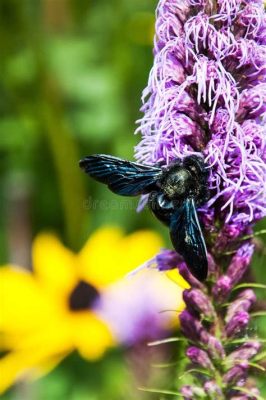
[[196, 370], [229, 253], [230, 364], [243, 340], [168, 340], [248, 285], [258, 314], [166, 365], [246, 391], [160, 391], [260, 356], [255, 234], [257, 366]]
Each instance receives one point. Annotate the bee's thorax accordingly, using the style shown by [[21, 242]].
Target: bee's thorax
[[177, 183]]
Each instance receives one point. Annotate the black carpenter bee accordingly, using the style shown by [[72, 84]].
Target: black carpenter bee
[[174, 192]]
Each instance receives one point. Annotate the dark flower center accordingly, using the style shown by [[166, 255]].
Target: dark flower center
[[82, 297]]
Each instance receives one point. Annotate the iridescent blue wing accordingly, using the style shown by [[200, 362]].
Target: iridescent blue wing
[[122, 177], [187, 238]]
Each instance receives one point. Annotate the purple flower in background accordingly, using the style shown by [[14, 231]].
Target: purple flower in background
[[206, 95], [134, 311]]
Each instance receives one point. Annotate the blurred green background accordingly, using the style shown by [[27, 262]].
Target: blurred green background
[[72, 72]]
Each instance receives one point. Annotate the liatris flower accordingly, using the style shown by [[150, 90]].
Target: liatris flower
[[207, 95]]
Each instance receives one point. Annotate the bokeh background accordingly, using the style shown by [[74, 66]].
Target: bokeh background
[[72, 72]]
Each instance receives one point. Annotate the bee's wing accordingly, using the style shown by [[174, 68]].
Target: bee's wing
[[122, 177], [188, 240]]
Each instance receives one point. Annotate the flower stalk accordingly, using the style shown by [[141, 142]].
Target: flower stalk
[[206, 95]]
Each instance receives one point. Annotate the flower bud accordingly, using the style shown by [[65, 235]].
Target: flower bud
[[167, 260], [190, 326], [245, 352], [184, 272], [240, 262], [236, 375], [213, 391], [192, 392], [199, 357], [243, 302], [194, 330], [222, 288], [235, 272], [196, 300], [187, 392], [237, 324]]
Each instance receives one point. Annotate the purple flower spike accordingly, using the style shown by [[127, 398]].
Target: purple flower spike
[[206, 96]]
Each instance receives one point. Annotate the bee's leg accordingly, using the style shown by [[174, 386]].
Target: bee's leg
[[198, 169]]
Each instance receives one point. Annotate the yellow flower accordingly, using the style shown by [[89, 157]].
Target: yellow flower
[[46, 314]]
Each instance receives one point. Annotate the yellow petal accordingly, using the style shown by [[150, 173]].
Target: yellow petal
[[108, 256], [36, 352], [91, 335], [23, 303], [53, 335], [101, 249], [22, 364], [42, 350], [55, 266], [138, 248], [175, 276], [13, 365], [46, 367]]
